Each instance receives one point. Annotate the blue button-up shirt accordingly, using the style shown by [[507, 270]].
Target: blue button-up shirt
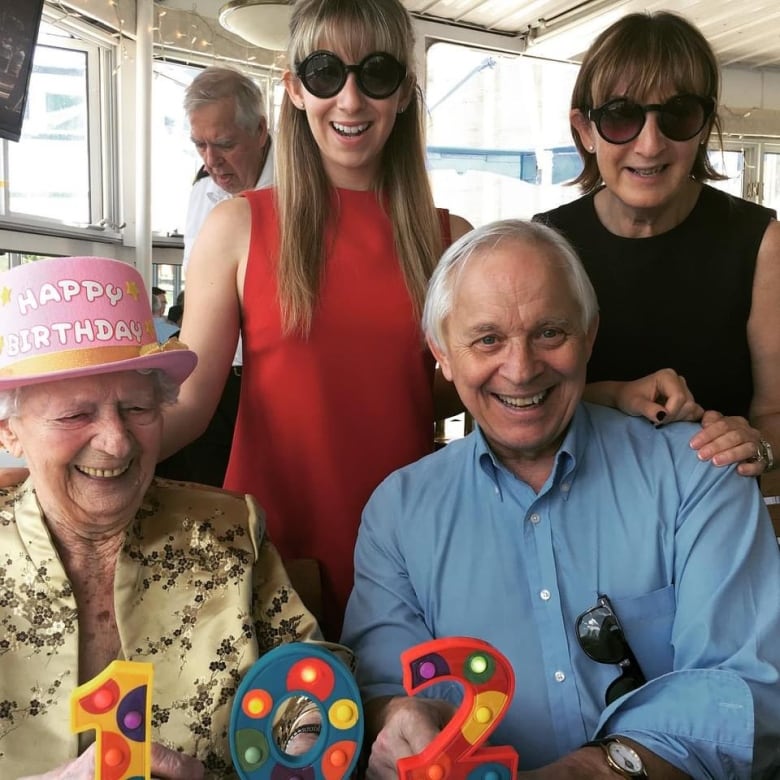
[[455, 545]]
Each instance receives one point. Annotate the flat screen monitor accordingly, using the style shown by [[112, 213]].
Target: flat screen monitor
[[19, 23]]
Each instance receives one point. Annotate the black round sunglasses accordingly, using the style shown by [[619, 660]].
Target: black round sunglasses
[[680, 118], [324, 75]]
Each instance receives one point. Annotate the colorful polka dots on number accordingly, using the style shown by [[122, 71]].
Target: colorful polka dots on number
[[288, 672]]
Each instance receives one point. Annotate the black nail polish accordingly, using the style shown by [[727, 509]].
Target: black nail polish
[[660, 416]]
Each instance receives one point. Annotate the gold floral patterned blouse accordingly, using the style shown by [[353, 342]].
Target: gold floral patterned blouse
[[199, 592]]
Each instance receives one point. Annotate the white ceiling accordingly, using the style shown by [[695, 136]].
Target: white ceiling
[[745, 34]]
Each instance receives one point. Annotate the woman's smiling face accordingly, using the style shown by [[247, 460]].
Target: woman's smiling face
[[649, 172], [350, 128], [91, 445]]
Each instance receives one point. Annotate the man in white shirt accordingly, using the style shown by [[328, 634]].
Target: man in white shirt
[[229, 128], [230, 131]]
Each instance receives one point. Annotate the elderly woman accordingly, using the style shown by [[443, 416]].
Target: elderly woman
[[98, 561]]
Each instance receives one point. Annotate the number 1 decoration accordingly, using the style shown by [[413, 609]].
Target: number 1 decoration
[[117, 704]]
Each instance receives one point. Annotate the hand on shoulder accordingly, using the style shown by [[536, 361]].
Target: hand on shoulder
[[661, 397], [726, 440]]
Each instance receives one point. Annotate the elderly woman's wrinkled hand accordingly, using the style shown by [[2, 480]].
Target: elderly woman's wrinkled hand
[[661, 397], [726, 440], [82, 768], [166, 765]]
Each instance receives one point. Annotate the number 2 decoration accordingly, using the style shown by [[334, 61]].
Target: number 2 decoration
[[118, 705], [458, 752], [292, 670]]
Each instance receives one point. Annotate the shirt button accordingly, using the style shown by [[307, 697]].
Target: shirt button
[[544, 595], [534, 518], [560, 677], [565, 487]]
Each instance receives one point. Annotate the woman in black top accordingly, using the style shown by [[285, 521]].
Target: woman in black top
[[688, 277]]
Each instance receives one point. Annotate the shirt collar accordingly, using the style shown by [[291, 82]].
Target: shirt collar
[[566, 459]]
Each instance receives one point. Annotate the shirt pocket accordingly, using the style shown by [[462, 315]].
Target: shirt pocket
[[647, 622]]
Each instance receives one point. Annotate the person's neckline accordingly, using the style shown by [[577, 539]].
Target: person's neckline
[[644, 228]]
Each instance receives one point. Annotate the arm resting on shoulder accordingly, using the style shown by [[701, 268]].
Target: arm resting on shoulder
[[662, 396]]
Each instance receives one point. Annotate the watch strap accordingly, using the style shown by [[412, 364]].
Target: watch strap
[[604, 743]]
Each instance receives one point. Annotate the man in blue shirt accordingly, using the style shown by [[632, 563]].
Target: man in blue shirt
[[554, 507]]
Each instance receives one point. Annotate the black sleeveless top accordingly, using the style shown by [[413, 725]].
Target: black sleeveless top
[[678, 300]]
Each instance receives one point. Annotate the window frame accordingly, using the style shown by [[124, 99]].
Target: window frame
[[100, 50]]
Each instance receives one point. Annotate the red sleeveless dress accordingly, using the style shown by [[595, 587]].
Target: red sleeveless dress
[[323, 420]]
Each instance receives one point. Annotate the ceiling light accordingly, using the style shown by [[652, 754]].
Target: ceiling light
[[263, 23]]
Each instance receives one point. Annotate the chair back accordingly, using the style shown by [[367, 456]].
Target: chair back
[[770, 487], [304, 574]]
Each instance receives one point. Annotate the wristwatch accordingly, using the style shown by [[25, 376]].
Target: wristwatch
[[621, 758]]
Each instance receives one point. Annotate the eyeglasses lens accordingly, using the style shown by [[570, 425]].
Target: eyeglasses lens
[[620, 121], [680, 119], [622, 685], [378, 75], [601, 637], [322, 74]]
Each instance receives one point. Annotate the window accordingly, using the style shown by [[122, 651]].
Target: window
[[499, 143], [770, 191], [174, 159], [730, 163], [753, 168], [57, 178]]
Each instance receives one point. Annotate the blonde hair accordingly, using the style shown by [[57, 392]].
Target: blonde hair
[[304, 194], [641, 54]]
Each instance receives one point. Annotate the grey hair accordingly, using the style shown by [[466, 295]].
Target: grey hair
[[215, 83], [438, 301], [166, 390]]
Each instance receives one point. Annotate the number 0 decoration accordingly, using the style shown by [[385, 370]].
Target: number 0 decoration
[[291, 670], [458, 752], [118, 705]]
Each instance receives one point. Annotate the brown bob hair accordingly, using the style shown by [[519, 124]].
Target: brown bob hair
[[642, 55]]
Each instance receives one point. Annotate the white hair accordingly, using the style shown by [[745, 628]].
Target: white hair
[[438, 301]]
